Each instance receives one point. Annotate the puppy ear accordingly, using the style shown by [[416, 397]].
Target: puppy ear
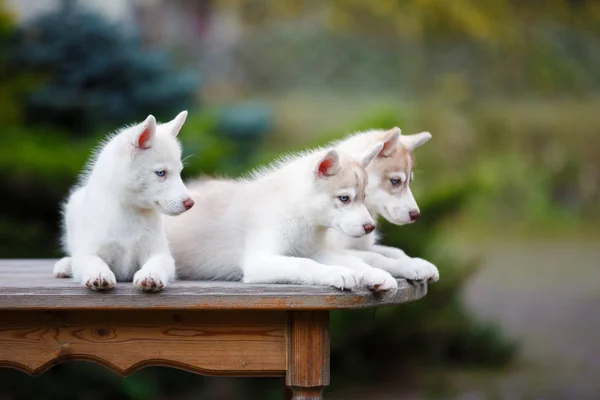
[[390, 142], [144, 133], [371, 154], [176, 124], [329, 165], [416, 140]]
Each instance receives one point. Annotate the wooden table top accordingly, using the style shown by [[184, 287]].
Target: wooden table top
[[30, 285]]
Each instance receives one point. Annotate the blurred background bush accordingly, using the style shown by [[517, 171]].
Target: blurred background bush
[[509, 187]]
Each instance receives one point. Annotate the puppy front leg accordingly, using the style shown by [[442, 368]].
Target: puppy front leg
[[372, 258], [389, 252], [91, 271], [156, 273], [62, 268], [272, 268], [374, 278], [411, 268]]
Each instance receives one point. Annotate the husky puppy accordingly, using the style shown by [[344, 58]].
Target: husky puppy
[[272, 226], [388, 194], [113, 227]]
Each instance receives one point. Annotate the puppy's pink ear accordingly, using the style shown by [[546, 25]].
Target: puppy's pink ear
[[145, 133], [390, 142], [329, 165]]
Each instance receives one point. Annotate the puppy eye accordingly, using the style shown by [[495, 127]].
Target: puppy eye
[[395, 182], [344, 199], [161, 173]]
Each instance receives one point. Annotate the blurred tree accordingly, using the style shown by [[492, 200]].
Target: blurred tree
[[95, 75]]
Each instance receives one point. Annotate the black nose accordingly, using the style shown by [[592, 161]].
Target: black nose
[[369, 228], [414, 215]]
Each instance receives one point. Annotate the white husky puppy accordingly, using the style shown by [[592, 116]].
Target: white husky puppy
[[113, 228], [271, 228], [389, 195]]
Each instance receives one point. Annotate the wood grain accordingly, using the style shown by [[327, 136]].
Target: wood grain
[[308, 354], [29, 284], [207, 342]]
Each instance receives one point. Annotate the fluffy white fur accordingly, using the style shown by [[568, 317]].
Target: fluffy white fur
[[113, 228], [271, 227], [388, 195]]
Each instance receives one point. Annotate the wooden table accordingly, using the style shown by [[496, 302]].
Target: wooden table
[[210, 328]]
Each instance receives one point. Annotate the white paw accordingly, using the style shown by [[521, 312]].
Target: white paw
[[416, 269], [379, 280], [100, 280], [342, 278], [429, 271], [149, 281], [62, 268]]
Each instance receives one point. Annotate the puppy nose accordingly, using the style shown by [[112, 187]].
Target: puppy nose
[[369, 228], [414, 215], [188, 203]]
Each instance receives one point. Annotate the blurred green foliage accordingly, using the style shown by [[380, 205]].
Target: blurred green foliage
[[536, 162], [38, 165], [12, 88]]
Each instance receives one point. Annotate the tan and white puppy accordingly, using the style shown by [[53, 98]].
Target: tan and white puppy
[[388, 194], [272, 226]]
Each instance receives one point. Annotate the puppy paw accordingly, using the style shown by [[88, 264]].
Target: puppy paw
[[149, 281], [342, 278], [426, 270], [416, 269], [100, 280], [379, 280], [62, 268]]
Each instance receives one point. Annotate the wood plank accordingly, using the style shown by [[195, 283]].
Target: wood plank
[[208, 342], [29, 284], [308, 354]]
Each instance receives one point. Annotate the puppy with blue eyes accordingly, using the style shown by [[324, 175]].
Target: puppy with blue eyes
[[388, 195], [270, 227], [113, 225]]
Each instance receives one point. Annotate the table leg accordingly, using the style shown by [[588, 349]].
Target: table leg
[[308, 354]]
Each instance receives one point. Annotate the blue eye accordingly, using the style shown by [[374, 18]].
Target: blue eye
[[395, 182], [161, 173], [344, 199]]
